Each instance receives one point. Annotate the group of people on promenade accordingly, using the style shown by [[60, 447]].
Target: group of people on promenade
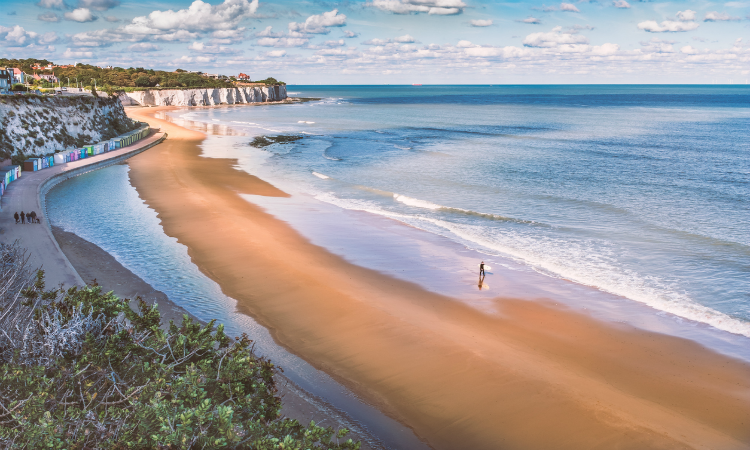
[[26, 217]]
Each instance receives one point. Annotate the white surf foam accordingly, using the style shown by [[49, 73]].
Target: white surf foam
[[320, 175], [588, 262], [304, 121], [415, 202]]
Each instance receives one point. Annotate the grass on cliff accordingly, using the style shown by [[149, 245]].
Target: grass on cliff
[[79, 369]]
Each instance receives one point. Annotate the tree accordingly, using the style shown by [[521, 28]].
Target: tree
[[18, 87], [143, 81]]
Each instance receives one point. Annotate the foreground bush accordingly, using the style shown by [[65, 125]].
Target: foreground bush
[[82, 370]]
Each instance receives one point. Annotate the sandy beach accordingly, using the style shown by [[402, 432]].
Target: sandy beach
[[533, 376], [95, 265]]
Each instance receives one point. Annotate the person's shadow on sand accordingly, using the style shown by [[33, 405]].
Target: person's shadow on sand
[[482, 285]]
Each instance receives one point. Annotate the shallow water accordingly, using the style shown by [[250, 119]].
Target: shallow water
[[640, 192], [102, 207]]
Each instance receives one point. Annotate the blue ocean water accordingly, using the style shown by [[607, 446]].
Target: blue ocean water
[[641, 192]]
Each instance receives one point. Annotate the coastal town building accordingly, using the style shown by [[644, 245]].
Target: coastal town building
[[52, 66], [50, 78], [18, 76], [6, 80], [243, 77]]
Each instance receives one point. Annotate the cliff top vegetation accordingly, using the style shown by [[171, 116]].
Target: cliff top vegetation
[[118, 78], [80, 369]]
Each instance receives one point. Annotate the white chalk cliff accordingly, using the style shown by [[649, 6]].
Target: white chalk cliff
[[204, 97]]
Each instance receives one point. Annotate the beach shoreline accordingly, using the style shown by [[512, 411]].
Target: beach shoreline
[[96, 266], [460, 378]]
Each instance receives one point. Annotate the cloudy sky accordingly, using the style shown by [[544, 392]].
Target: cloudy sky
[[394, 41]]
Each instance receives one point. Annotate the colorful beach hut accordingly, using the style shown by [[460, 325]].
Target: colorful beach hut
[[31, 165]]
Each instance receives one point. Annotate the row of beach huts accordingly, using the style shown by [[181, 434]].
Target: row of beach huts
[[9, 174]]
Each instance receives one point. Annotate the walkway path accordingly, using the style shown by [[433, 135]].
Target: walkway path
[[27, 194]]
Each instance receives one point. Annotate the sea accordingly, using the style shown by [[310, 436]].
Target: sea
[[640, 192], [629, 203]]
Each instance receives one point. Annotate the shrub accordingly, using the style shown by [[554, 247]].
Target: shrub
[[80, 369]]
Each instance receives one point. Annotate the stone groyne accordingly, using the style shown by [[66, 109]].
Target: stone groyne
[[204, 96]]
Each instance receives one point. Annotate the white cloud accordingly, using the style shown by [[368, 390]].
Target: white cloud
[[350, 34], [200, 16], [605, 49], [80, 15], [282, 42], [276, 53], [319, 23], [689, 50], [569, 7], [48, 17], [333, 44], [228, 36], [715, 16], [70, 54], [481, 23], [405, 39], [684, 22], [531, 20], [377, 42], [200, 47], [144, 47], [621, 4], [435, 7], [686, 15], [98, 5], [553, 39], [16, 35], [268, 32], [52, 4], [667, 26], [656, 45], [194, 59], [173, 26]]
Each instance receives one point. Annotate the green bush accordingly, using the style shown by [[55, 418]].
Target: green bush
[[85, 371]]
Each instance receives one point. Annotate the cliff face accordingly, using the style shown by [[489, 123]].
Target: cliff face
[[203, 97], [40, 125]]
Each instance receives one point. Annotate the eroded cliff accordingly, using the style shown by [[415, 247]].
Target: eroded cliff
[[37, 125], [204, 97]]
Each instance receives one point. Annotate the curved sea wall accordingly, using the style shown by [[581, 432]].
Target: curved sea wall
[[204, 97]]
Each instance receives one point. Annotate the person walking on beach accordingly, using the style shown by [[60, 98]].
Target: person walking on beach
[[33, 217], [28, 217], [23, 218], [481, 269], [15, 216]]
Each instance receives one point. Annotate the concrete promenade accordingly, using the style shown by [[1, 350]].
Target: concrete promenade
[[28, 194]]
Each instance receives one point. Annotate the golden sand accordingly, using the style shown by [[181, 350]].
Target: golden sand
[[534, 376]]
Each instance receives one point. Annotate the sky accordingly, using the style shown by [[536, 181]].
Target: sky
[[394, 41]]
